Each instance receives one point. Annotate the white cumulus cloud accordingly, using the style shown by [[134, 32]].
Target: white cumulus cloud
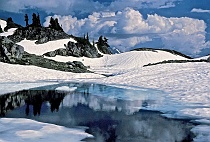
[[128, 29]]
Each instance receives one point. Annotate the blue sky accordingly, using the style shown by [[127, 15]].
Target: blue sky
[[182, 25]]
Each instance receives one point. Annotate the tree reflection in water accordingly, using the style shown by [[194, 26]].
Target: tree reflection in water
[[29, 98]]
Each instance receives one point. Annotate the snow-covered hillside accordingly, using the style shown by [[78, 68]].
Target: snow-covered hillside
[[107, 63], [186, 85]]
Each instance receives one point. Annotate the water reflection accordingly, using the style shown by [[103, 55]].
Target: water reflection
[[106, 111], [34, 98]]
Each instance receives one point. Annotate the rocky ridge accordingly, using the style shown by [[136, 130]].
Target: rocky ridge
[[40, 34], [12, 53]]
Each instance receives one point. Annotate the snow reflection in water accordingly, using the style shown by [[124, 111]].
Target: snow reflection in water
[[111, 113]]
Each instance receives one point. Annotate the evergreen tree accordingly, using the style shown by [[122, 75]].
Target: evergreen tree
[[26, 19], [54, 24], [38, 20], [100, 41], [34, 19], [93, 43], [103, 45], [9, 20], [57, 25], [87, 37]]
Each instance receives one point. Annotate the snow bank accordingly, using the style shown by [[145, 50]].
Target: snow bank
[[19, 129], [3, 24], [19, 77], [40, 49], [9, 32]]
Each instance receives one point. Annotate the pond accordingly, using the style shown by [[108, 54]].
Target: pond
[[110, 113]]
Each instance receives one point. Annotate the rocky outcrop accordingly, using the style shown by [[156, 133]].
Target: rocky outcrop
[[78, 49], [31, 59], [11, 24], [208, 59], [9, 51], [40, 34]]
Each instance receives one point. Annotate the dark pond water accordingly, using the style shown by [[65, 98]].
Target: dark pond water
[[109, 113]]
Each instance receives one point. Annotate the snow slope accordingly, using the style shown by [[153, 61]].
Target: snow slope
[[186, 85], [18, 77], [121, 63], [126, 60]]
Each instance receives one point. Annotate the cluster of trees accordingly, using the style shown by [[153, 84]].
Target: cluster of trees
[[103, 45], [11, 24], [35, 20], [54, 24], [102, 41]]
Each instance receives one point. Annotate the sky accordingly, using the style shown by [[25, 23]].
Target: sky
[[182, 25]]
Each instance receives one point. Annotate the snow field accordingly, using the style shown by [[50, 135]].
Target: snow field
[[22, 130], [186, 85]]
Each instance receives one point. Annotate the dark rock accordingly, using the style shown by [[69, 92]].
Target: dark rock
[[1, 31], [208, 59], [176, 61], [50, 54], [82, 48], [40, 61], [76, 50], [11, 24], [40, 34], [71, 64], [61, 51], [17, 51], [73, 49], [42, 40], [166, 50], [10, 51], [79, 64]]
